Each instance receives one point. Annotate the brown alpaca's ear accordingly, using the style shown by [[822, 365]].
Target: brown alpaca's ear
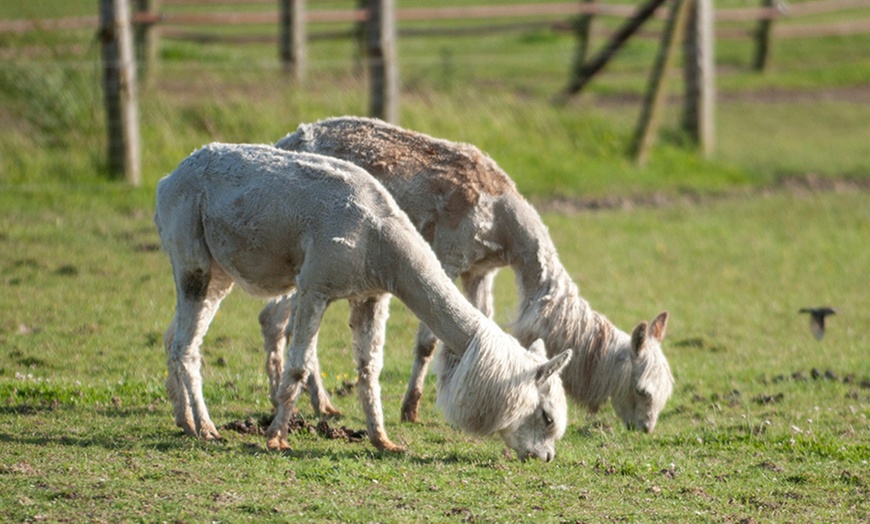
[[659, 326], [638, 337], [537, 348]]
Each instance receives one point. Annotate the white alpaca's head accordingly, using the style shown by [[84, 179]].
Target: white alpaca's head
[[506, 390], [650, 383], [535, 434]]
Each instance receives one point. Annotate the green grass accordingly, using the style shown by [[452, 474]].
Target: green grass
[[86, 433]]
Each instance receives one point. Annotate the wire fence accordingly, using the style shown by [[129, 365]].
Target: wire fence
[[457, 69]]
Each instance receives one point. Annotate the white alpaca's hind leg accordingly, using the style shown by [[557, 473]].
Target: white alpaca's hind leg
[[199, 296], [368, 322], [174, 386], [301, 353]]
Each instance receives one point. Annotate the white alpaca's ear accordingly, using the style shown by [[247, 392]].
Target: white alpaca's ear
[[537, 348], [638, 337], [554, 365], [659, 326]]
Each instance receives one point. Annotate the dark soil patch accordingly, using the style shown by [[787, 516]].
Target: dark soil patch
[[344, 389], [818, 375], [297, 424], [464, 513], [698, 492], [770, 466], [764, 399], [249, 426], [340, 433]]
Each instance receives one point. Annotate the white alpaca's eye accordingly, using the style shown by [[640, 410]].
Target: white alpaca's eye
[[548, 420], [642, 393]]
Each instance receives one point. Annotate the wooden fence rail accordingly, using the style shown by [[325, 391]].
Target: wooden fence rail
[[556, 9]]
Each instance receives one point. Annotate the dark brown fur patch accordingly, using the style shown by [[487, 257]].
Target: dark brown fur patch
[[194, 285]]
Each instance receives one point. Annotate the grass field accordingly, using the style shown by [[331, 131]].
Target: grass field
[[766, 423], [754, 429], [492, 90]]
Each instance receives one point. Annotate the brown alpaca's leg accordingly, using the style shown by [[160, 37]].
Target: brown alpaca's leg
[[424, 350]]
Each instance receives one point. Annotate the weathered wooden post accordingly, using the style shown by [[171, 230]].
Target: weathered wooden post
[[762, 37], [146, 35], [699, 68], [359, 37], [292, 37], [656, 93], [591, 67], [381, 52], [119, 88], [582, 28]]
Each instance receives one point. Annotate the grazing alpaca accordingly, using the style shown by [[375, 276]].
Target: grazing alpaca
[[469, 210], [276, 221]]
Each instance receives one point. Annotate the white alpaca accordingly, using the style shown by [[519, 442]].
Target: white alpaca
[[276, 221], [469, 210]]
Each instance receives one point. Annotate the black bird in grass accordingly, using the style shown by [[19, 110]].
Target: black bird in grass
[[817, 319]]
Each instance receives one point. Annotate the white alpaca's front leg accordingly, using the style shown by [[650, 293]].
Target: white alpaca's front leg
[[276, 322], [301, 353], [368, 322]]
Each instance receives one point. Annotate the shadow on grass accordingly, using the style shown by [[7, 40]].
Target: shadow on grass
[[103, 430], [362, 451]]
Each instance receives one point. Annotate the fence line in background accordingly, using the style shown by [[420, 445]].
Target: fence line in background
[[672, 34], [165, 18], [375, 28]]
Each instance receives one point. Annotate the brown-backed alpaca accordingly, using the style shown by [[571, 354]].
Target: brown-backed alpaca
[[469, 210]]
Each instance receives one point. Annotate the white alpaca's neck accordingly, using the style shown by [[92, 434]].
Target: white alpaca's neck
[[425, 289]]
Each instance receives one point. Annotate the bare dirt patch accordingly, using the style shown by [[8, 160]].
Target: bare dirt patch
[[806, 184], [297, 424]]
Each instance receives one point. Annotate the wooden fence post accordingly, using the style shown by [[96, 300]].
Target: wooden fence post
[[292, 39], [119, 87], [656, 93], [359, 38], [381, 52], [699, 68], [579, 80], [145, 37], [582, 28], [762, 39]]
